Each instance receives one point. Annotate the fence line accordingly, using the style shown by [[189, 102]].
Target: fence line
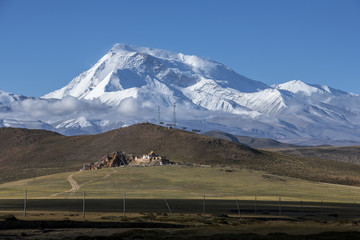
[[243, 207]]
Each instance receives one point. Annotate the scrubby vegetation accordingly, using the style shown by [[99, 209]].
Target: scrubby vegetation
[[29, 153]]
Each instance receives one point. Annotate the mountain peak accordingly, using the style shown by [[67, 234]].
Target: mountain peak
[[193, 61], [128, 71], [299, 87], [160, 53]]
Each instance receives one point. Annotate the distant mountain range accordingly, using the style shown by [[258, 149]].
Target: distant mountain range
[[129, 83]]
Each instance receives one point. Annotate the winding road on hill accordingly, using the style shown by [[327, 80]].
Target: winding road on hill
[[74, 186]]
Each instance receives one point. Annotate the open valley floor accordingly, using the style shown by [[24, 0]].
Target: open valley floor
[[177, 202]]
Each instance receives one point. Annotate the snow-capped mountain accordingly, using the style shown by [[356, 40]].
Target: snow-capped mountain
[[128, 84], [161, 76]]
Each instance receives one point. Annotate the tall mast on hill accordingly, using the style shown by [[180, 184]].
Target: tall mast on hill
[[174, 115], [158, 114]]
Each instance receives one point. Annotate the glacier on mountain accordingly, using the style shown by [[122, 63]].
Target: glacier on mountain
[[127, 85]]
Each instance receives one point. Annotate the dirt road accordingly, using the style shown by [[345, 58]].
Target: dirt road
[[74, 186]]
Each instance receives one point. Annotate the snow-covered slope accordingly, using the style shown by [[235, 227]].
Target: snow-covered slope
[[161, 76], [129, 83]]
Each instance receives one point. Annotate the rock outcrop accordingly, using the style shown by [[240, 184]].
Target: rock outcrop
[[115, 159], [118, 159]]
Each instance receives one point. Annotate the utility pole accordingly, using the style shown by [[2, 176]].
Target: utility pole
[[279, 206], [238, 208], [83, 204], [167, 204], [158, 114], [25, 199], [204, 206], [255, 205], [124, 205]]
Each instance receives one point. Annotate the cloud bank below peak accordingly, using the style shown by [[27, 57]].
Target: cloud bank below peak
[[129, 83]]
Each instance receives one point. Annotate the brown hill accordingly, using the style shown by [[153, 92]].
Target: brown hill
[[350, 154], [28, 153], [264, 143]]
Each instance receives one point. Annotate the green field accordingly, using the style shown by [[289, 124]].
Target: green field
[[179, 182]]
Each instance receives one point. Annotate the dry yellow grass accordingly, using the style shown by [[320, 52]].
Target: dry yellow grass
[[179, 182]]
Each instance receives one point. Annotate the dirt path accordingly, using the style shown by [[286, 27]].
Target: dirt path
[[74, 186], [107, 175]]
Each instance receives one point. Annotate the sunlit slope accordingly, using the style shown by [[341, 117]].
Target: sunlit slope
[[179, 182]]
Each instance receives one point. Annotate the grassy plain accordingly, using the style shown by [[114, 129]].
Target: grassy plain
[[179, 182], [51, 203]]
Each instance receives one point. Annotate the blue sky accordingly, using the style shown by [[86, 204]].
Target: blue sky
[[46, 43]]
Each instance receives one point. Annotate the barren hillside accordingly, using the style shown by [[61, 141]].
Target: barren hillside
[[29, 153]]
